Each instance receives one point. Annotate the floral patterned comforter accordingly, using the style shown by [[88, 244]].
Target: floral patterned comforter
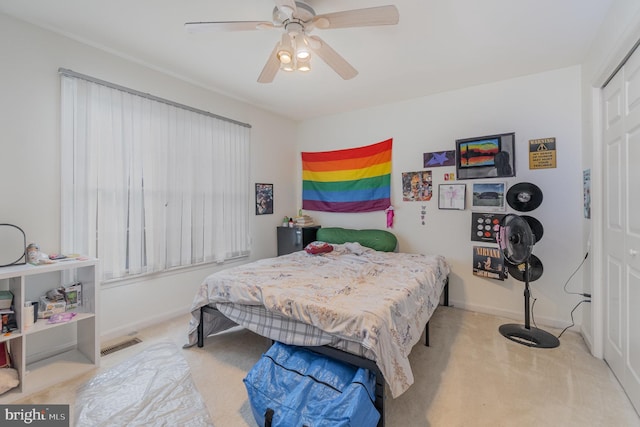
[[382, 300]]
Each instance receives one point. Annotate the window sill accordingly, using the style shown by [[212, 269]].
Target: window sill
[[129, 280]]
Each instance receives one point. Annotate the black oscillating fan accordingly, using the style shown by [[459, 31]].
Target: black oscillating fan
[[516, 241]]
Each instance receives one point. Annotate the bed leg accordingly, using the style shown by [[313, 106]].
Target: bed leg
[[201, 328], [426, 335], [379, 402], [446, 293]]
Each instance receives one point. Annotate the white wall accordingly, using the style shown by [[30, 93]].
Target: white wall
[[542, 105], [536, 106], [616, 37], [30, 157]]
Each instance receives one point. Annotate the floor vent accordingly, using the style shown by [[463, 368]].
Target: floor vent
[[115, 347]]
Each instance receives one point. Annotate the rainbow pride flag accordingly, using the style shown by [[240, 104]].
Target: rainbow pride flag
[[352, 180]]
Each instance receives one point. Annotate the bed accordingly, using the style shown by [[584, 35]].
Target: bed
[[363, 302]]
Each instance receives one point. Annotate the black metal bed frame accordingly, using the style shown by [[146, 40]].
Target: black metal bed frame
[[343, 356]]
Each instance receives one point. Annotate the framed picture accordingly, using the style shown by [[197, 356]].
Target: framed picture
[[489, 197], [486, 156], [452, 196], [264, 199]]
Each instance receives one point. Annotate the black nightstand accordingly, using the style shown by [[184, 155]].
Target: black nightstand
[[291, 239]]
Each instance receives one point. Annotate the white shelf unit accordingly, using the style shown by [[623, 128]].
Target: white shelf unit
[[47, 354]]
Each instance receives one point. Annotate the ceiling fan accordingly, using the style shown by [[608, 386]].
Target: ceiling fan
[[298, 19]]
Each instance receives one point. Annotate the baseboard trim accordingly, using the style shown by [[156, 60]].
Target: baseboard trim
[[133, 328], [518, 316], [587, 340]]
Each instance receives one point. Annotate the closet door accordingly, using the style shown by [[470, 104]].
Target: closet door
[[621, 198]]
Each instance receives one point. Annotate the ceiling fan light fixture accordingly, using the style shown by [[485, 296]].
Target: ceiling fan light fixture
[[290, 66], [302, 53], [304, 65], [285, 50], [284, 56]]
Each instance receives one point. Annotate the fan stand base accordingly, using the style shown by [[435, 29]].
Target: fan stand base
[[531, 337]]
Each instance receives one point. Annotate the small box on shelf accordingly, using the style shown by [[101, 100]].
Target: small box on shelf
[[6, 299], [72, 295], [47, 308]]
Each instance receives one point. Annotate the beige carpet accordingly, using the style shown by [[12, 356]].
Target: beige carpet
[[469, 376]]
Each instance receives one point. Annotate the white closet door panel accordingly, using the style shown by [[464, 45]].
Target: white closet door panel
[[615, 333], [614, 196], [614, 350], [631, 121], [621, 136]]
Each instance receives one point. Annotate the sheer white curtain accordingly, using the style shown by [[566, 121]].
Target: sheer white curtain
[[148, 186]]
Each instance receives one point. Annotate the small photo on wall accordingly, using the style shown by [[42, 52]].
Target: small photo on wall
[[488, 197], [586, 192], [452, 196], [264, 199], [416, 186]]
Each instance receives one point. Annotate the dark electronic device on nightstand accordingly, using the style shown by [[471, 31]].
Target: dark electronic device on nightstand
[[292, 239]]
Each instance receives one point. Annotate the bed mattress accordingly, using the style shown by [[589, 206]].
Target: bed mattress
[[379, 301]]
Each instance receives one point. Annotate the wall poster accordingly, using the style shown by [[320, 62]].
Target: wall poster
[[488, 262], [586, 190], [485, 226], [442, 158], [542, 153], [264, 199], [416, 186]]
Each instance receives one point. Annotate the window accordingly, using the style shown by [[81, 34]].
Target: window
[[149, 185]]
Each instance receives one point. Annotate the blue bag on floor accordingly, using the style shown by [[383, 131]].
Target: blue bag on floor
[[294, 387]]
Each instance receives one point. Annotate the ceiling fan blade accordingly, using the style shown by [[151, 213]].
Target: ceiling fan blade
[[381, 15], [287, 7], [332, 58], [270, 68], [201, 27]]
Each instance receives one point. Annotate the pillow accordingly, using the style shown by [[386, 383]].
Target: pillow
[[354, 248], [314, 248], [8, 379], [379, 240]]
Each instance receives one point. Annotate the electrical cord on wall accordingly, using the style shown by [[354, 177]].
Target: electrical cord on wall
[[571, 277], [586, 295], [533, 319]]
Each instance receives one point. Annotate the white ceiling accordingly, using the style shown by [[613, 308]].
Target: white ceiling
[[438, 45]]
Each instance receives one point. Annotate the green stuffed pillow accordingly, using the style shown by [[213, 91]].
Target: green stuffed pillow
[[380, 240]]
